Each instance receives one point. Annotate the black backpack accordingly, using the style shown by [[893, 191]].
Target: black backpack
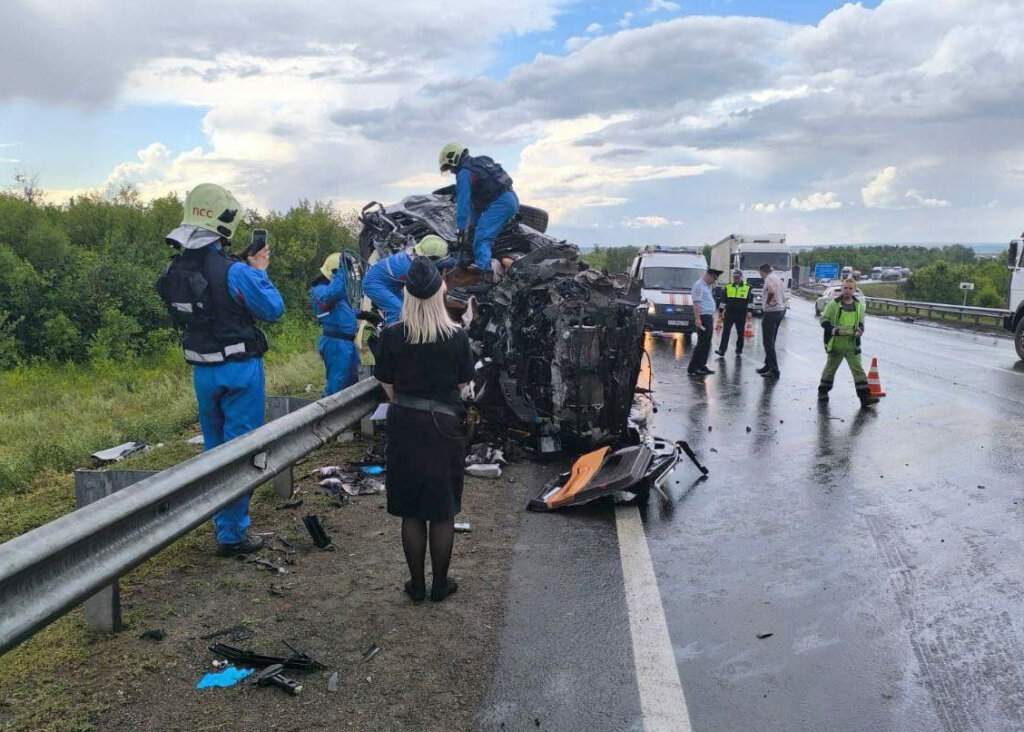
[[184, 289]]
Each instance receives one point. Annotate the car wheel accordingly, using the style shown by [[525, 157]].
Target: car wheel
[[535, 218]]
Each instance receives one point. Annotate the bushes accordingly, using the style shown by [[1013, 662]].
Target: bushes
[[940, 282], [77, 280]]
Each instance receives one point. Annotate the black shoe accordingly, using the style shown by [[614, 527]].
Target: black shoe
[[770, 374], [248, 545], [440, 592], [417, 594], [869, 401], [705, 371], [721, 354], [695, 373], [763, 370]]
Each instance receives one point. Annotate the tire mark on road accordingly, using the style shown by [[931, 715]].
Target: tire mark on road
[[968, 657]]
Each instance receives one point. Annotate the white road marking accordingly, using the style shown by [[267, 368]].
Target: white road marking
[[662, 702]]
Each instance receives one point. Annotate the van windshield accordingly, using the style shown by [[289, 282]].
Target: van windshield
[[753, 260], [670, 278]]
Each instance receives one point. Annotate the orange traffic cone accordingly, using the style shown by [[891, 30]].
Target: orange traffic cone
[[749, 331], [873, 383]]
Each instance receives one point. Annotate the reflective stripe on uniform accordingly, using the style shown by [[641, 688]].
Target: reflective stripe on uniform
[[204, 357]]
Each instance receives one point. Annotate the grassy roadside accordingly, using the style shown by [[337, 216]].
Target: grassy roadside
[[51, 419]]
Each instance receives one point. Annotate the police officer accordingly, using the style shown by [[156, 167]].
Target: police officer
[[703, 319], [484, 201], [735, 303], [217, 300], [843, 322], [328, 296], [385, 280]]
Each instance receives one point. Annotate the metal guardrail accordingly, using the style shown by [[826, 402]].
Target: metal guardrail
[[886, 304], [49, 570]]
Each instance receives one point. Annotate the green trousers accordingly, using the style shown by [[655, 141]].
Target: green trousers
[[844, 347]]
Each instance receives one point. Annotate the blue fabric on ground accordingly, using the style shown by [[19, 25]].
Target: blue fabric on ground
[[224, 678]]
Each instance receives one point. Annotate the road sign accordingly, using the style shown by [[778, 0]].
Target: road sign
[[826, 270], [966, 285]]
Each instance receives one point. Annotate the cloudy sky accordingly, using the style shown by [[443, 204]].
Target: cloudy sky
[[631, 121]]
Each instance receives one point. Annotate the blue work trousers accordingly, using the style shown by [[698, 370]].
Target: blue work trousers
[[341, 361], [381, 294], [488, 226], [231, 403]]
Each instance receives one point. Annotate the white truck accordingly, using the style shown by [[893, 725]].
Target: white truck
[[747, 252], [1013, 321], [666, 275]]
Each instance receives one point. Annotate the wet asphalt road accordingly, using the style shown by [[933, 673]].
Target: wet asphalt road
[[880, 548]]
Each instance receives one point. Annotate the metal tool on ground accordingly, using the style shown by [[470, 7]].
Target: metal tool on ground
[[685, 447], [273, 676], [874, 385], [317, 532]]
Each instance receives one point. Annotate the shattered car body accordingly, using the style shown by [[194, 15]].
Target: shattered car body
[[559, 344]]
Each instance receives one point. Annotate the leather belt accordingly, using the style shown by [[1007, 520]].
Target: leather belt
[[426, 405]]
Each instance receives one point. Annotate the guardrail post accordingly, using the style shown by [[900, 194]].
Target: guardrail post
[[278, 406], [103, 610]]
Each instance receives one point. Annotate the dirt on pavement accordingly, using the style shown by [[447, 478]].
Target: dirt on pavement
[[434, 663]]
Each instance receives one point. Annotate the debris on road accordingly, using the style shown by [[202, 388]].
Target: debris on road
[[273, 676], [762, 636], [229, 676], [483, 470], [316, 531], [119, 452], [463, 527], [197, 440], [298, 661], [482, 453], [260, 562], [295, 502], [328, 471], [370, 652], [157, 634], [332, 683]]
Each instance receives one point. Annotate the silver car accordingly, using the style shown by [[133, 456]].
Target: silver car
[[832, 293]]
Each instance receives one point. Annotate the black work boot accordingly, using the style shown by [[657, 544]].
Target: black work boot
[[822, 394], [866, 398], [248, 545]]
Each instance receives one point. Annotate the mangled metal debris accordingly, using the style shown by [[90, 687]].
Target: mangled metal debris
[[119, 452], [558, 344]]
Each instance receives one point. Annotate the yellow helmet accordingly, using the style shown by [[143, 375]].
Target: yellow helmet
[[211, 207], [431, 246], [450, 155], [332, 263]]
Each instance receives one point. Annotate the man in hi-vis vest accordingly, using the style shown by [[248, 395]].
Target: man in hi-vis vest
[[735, 304], [843, 322]]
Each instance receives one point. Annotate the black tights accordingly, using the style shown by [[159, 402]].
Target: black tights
[[414, 542]]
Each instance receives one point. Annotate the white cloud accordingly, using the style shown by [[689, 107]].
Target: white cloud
[[575, 43], [763, 207], [657, 6], [649, 222], [626, 20], [919, 200], [594, 28], [884, 192], [816, 201]]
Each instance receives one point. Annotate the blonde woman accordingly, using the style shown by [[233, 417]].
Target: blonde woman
[[423, 361]]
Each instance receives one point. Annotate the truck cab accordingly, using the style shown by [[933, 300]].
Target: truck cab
[[666, 275], [1014, 320], [747, 252]]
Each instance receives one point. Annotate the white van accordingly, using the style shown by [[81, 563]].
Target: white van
[[666, 275]]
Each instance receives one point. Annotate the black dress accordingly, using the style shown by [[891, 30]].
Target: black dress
[[426, 450]]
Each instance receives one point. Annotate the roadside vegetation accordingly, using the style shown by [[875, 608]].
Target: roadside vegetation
[[936, 272]]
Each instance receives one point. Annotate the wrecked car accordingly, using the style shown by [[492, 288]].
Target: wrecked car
[[558, 344]]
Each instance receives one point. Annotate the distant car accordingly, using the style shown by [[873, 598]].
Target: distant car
[[831, 294]]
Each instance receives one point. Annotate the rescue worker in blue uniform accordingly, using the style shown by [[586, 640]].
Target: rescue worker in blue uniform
[[384, 282], [736, 299], [216, 300], [328, 297], [484, 201]]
